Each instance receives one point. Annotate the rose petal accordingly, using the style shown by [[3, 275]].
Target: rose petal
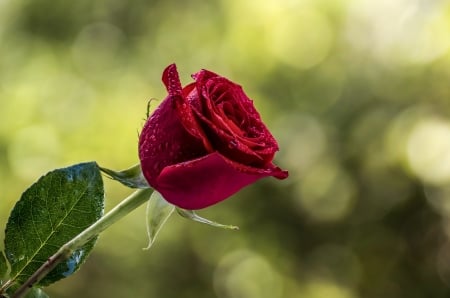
[[158, 148], [205, 181], [171, 79], [253, 151], [204, 75]]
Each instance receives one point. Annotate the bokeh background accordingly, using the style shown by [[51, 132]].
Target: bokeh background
[[357, 92]]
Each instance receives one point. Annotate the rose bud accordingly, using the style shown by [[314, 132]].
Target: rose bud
[[205, 142]]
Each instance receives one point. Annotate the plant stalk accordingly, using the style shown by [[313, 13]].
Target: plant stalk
[[123, 208]]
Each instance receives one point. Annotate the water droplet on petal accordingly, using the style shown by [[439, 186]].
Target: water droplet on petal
[[232, 144]]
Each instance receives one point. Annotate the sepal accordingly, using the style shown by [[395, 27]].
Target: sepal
[[158, 211], [190, 214], [131, 177]]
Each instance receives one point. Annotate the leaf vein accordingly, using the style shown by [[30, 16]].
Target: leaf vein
[[61, 222]]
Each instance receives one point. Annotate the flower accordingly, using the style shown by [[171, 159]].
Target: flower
[[205, 142]]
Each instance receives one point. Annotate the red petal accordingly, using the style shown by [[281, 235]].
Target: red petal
[[204, 75], [164, 141], [208, 180], [171, 79]]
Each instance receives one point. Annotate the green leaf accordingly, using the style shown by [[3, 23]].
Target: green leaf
[[36, 293], [131, 177], [189, 214], [158, 211], [51, 212], [3, 266]]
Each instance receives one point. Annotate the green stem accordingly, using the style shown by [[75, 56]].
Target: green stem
[[126, 206]]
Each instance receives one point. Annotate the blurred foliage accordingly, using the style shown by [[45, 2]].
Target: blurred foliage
[[357, 93]]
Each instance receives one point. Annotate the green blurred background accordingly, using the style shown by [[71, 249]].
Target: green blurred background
[[357, 93]]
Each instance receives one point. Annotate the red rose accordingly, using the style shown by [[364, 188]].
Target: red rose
[[205, 142]]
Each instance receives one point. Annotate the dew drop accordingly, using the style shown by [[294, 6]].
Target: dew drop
[[12, 257], [73, 262], [163, 146], [232, 144], [69, 177]]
